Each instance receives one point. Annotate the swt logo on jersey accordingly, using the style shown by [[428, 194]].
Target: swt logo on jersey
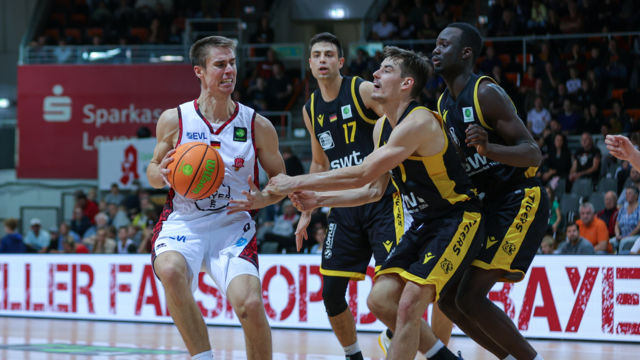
[[346, 161]]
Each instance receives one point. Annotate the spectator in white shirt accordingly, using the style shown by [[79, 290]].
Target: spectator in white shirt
[[538, 118]]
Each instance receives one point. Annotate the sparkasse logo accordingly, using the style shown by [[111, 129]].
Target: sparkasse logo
[[56, 108]]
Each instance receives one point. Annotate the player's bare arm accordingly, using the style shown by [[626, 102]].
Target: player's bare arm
[[366, 89], [319, 162], [621, 147], [500, 114], [308, 200], [402, 143], [167, 132], [271, 161]]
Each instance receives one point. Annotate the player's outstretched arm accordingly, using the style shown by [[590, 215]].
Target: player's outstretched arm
[[499, 113], [167, 131], [414, 134], [621, 147], [271, 161]]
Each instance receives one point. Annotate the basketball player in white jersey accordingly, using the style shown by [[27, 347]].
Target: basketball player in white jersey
[[193, 236]]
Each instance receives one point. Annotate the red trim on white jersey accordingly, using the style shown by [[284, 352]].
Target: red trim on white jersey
[[233, 116]]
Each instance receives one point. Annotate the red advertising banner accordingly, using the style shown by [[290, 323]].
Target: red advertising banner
[[65, 110], [561, 297]]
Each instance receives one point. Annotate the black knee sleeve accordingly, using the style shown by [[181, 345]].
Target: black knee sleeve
[[333, 294]]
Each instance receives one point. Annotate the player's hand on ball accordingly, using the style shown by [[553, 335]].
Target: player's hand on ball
[[166, 160]]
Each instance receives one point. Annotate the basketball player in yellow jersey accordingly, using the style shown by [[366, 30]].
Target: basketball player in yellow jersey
[[446, 232], [340, 116], [501, 158]]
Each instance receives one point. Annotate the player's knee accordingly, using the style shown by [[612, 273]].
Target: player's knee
[[333, 293], [172, 275], [378, 303], [249, 307]]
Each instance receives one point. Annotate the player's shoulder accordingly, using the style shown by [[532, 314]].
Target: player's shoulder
[[169, 117]]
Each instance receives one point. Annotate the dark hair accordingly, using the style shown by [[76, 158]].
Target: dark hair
[[573, 223], [11, 223], [635, 189], [326, 37], [470, 37], [200, 49], [414, 65]]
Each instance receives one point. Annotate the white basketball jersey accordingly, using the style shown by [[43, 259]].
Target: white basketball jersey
[[234, 140]]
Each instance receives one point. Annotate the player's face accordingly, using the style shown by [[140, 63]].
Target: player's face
[[446, 53], [219, 75], [387, 80], [324, 61]]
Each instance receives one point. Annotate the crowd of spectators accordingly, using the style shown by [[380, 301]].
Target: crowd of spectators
[[118, 223]]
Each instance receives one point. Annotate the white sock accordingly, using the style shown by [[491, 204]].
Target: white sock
[[510, 357], [207, 355], [538, 357], [352, 349], [439, 345]]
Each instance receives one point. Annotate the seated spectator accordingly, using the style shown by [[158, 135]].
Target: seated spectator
[[547, 245], [383, 29], [586, 162], [264, 69], [292, 163], [572, 22], [555, 216], [558, 163], [628, 222], [257, 93], [610, 212], [37, 240], [592, 121], [101, 220], [568, 117], [406, 30], [283, 228], [490, 60], [71, 247], [538, 18], [134, 232], [264, 33], [574, 83], [575, 244], [279, 88], [12, 240], [632, 180], [319, 234], [118, 216], [89, 208], [114, 196], [538, 118], [125, 245], [80, 223], [101, 243], [594, 229]]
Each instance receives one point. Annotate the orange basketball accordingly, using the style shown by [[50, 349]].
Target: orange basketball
[[197, 170]]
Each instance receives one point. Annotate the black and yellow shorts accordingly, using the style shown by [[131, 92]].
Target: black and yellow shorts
[[355, 233], [438, 251], [516, 221]]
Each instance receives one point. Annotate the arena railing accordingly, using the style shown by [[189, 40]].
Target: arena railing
[[523, 41], [105, 54]]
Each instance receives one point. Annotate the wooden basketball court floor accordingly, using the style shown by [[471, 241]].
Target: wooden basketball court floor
[[46, 339]]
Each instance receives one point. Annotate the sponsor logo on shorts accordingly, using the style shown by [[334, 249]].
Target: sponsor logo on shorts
[[457, 247], [328, 245], [447, 266], [526, 215], [179, 238], [246, 227], [241, 242], [160, 246]]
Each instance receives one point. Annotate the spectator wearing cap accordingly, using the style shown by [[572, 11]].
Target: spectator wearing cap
[[575, 244], [12, 242], [37, 240], [89, 208], [594, 229], [114, 196]]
